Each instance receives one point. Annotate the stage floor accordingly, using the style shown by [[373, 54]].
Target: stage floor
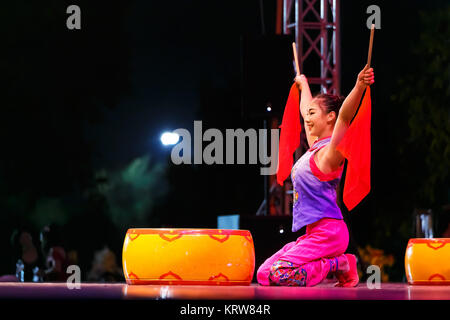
[[388, 291]]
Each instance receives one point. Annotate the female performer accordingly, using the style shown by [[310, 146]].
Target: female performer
[[315, 177]]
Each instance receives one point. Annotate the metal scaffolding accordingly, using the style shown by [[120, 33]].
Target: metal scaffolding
[[316, 28], [317, 34]]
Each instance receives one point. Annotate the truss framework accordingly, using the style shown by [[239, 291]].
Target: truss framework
[[317, 33]]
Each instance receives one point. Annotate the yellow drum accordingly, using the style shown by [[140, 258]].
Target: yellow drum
[[188, 256], [427, 261]]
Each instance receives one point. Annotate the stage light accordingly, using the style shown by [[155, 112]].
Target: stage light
[[169, 138], [269, 109]]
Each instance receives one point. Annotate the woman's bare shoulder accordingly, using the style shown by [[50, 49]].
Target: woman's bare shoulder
[[328, 160]]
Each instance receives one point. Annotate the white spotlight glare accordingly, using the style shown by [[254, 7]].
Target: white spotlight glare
[[169, 138]]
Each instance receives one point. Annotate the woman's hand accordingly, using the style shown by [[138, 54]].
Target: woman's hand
[[301, 81], [366, 77]]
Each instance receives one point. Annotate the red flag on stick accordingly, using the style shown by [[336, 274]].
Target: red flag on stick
[[290, 135], [290, 129], [355, 147]]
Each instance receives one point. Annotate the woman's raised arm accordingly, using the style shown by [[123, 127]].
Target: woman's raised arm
[[365, 78], [305, 101], [348, 109]]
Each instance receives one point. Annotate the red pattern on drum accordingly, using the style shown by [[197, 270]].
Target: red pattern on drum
[[130, 236], [170, 274], [171, 235], [440, 245], [436, 275], [132, 275], [191, 231], [220, 275], [191, 282], [434, 240], [219, 239]]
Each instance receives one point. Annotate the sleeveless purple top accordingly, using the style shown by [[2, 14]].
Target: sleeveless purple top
[[314, 191]]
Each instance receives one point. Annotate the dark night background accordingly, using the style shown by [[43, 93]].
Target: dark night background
[[82, 112]]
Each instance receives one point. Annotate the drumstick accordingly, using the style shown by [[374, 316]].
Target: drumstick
[[296, 58], [369, 58]]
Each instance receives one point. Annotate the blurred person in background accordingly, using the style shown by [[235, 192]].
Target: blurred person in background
[[105, 268], [55, 257], [27, 258]]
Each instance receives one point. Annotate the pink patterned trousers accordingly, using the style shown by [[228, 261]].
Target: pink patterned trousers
[[308, 260]]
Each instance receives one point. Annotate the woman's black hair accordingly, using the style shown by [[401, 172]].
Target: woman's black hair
[[330, 102]]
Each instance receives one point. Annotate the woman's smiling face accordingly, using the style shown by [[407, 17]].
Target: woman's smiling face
[[317, 119], [314, 118]]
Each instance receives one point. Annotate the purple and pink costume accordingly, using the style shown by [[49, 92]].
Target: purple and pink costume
[[309, 259]]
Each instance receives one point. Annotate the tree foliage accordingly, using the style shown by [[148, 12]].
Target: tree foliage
[[424, 95]]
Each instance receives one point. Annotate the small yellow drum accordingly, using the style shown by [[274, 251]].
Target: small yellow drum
[[427, 261], [188, 256]]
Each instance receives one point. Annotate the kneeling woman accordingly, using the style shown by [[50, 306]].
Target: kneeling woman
[[315, 177]]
